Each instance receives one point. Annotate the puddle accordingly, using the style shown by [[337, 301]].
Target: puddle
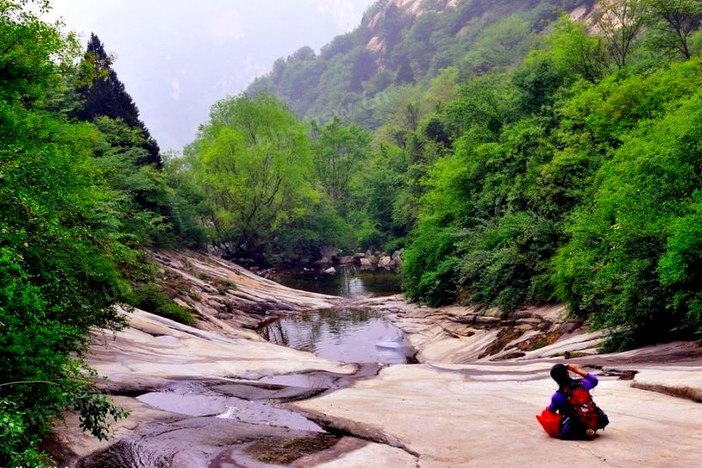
[[204, 402], [191, 405], [263, 413], [347, 335]]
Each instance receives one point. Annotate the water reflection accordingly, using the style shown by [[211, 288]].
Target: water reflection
[[347, 282], [349, 335]]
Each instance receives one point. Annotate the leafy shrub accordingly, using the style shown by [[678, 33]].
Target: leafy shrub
[[60, 244], [154, 299], [502, 264], [430, 267], [632, 264], [176, 312]]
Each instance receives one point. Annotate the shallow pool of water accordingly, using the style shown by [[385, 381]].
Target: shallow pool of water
[[203, 402], [346, 282], [348, 335]]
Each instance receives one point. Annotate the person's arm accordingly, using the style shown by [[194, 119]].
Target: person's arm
[[590, 380], [577, 370]]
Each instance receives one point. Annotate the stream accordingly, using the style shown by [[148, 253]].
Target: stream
[[342, 334], [350, 335], [348, 281]]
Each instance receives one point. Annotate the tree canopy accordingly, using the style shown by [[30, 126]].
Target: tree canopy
[[60, 244], [104, 95], [254, 162], [80, 199]]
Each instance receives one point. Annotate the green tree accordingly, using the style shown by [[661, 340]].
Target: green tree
[[484, 104], [60, 248], [620, 22], [405, 75], [500, 45], [144, 196], [574, 49], [104, 95], [190, 211], [254, 162], [678, 19], [364, 67], [630, 264], [339, 152]]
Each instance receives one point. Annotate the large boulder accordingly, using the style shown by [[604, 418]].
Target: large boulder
[[386, 262], [328, 254], [347, 260]]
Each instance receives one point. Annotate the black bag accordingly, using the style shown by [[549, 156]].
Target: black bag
[[602, 419]]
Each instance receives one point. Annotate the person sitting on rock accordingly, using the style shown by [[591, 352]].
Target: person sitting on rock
[[580, 417]]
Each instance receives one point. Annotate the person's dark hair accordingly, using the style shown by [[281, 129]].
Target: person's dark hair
[[559, 373]]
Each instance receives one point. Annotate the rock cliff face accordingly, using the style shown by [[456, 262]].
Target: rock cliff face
[[402, 11]]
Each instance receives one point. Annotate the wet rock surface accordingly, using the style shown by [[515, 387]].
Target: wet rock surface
[[196, 442], [230, 413], [219, 395]]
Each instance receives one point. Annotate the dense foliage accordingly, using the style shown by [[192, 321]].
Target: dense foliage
[[253, 163], [60, 246], [78, 201], [102, 94], [572, 179]]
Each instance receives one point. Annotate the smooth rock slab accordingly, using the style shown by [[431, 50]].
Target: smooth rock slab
[[139, 352], [354, 453], [684, 382], [449, 419]]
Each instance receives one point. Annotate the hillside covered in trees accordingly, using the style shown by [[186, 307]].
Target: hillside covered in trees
[[81, 196], [519, 152], [408, 42], [524, 152]]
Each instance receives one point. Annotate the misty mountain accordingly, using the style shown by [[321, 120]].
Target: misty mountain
[[406, 42]]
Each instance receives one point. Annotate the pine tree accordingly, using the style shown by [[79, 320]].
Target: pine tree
[[104, 95]]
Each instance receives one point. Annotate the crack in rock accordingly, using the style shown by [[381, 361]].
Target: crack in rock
[[341, 426], [600, 457]]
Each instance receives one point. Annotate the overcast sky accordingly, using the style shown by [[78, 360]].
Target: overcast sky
[[177, 57]]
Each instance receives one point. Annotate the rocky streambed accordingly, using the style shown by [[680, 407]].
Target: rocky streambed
[[220, 395]]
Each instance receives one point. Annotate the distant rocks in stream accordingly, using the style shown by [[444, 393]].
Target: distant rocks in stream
[[367, 261]]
